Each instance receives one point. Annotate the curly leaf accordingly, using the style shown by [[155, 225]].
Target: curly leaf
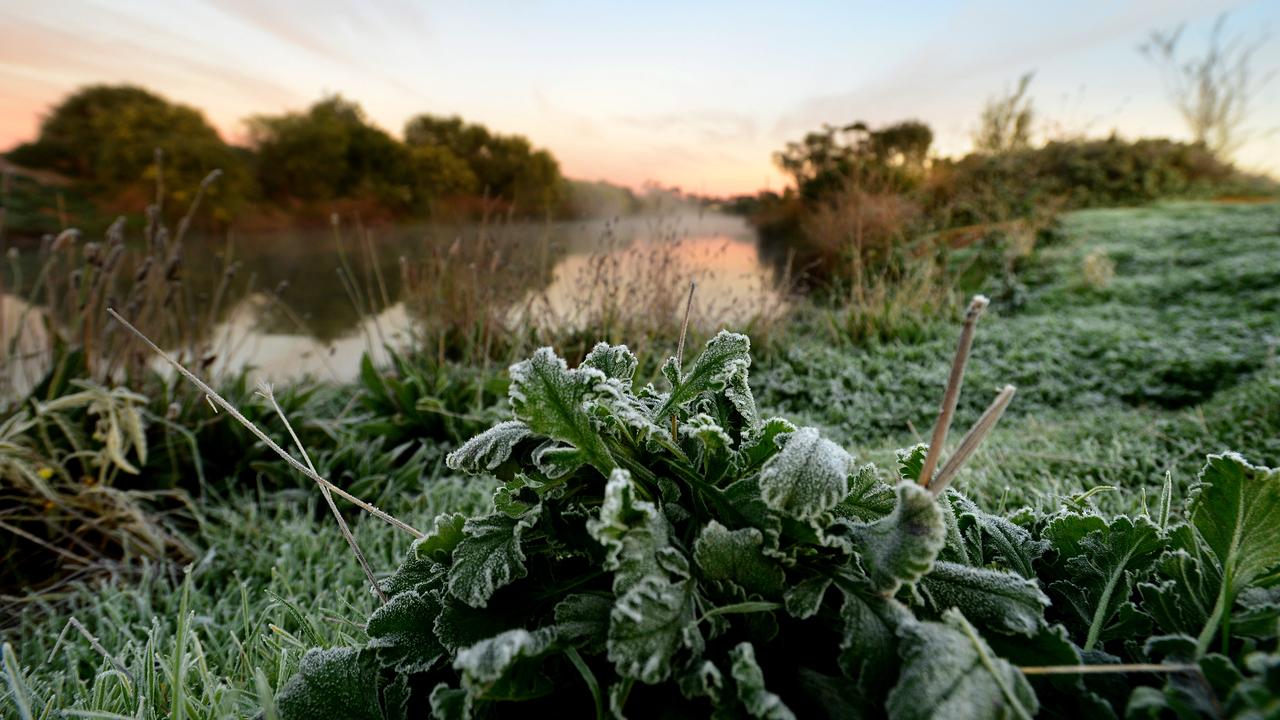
[[488, 557], [489, 449], [341, 682], [616, 361], [759, 702], [994, 540], [736, 556], [725, 359], [632, 531], [428, 557], [808, 478], [1234, 507], [648, 625], [551, 400], [1099, 563], [995, 599], [868, 498], [804, 599], [950, 673], [403, 632], [901, 547], [490, 667]]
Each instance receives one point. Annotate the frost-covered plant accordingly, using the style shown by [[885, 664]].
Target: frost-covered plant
[[673, 554]]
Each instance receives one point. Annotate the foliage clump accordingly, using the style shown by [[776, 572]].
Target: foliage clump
[[673, 553]]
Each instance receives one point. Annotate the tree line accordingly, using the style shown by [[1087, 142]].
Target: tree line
[[127, 147]]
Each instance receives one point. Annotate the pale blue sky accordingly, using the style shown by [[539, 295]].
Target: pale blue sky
[[693, 94]]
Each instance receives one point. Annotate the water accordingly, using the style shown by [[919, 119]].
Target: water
[[557, 274]]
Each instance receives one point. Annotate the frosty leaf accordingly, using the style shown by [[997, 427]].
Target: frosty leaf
[[489, 449], [708, 432], [868, 498], [1099, 563], [1185, 586], [488, 557], [341, 682], [550, 399], [632, 532], [735, 556], [449, 703], [803, 599], [998, 600], [584, 619], [869, 641], [648, 625], [762, 444], [484, 665], [615, 361], [995, 540], [901, 547], [738, 391], [1234, 507], [556, 460], [702, 680], [403, 632], [950, 673], [429, 556], [911, 462], [759, 702], [726, 356], [806, 479]]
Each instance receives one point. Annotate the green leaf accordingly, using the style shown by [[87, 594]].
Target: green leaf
[[634, 534], [489, 557], [804, 599], [615, 361], [868, 498], [485, 665], [341, 682], [808, 478], [1098, 563], [994, 599], [486, 451], [869, 642], [722, 364], [584, 620], [737, 557], [428, 557], [551, 399], [902, 546], [993, 540], [911, 462], [762, 444], [448, 703], [402, 632], [749, 678], [1235, 507], [648, 625], [950, 673]]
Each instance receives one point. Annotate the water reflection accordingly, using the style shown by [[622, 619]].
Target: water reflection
[[292, 316]]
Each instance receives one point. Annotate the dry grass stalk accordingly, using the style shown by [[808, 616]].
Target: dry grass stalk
[[952, 394], [221, 402], [971, 441]]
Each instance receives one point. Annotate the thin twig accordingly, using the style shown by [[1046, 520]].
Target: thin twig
[[684, 332], [95, 644], [218, 400], [952, 394], [265, 391], [972, 440]]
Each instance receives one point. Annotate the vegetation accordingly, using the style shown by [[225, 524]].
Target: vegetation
[[1103, 445]]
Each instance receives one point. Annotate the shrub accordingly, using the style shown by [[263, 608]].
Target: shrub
[[674, 554]]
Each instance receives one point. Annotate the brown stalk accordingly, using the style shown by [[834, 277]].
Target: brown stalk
[[684, 331], [952, 394], [972, 440]]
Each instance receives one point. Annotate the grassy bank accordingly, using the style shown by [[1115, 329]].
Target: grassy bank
[[1140, 340]]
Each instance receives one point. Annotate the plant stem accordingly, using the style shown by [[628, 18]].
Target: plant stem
[[952, 394]]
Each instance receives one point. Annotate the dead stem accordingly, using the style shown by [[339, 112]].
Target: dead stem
[[266, 392], [952, 394], [972, 440], [684, 332]]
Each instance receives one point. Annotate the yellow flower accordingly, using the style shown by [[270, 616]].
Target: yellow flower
[[45, 473]]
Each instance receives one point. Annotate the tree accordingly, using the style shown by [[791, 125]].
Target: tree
[[1006, 120], [505, 167], [106, 137], [1212, 92], [331, 152], [823, 162]]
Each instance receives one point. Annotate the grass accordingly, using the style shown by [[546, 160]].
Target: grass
[[1125, 374]]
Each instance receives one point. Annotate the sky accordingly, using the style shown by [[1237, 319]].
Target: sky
[[691, 94]]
